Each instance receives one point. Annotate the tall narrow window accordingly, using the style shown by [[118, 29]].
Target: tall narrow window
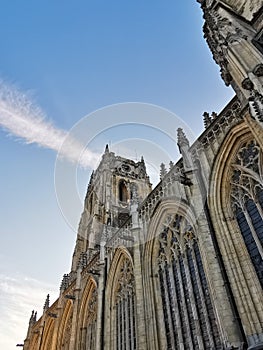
[[189, 316], [125, 308], [67, 333], [247, 201], [89, 331], [123, 192]]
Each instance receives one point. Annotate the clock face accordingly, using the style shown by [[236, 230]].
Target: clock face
[[126, 167]]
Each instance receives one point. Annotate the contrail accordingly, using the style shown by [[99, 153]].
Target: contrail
[[20, 117]]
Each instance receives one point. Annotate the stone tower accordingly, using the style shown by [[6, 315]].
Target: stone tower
[[112, 186]]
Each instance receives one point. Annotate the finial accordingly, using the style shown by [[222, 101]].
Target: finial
[[107, 149], [207, 119], [256, 106], [171, 165], [65, 282], [31, 320], [163, 171], [134, 194], [183, 145], [46, 305], [182, 140], [214, 115]]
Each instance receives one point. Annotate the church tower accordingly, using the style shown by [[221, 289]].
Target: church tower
[[111, 189]]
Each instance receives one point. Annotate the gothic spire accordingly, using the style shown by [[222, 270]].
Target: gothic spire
[[163, 171], [182, 140], [46, 305], [207, 119], [183, 145]]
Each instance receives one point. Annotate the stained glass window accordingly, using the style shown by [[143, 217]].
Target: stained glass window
[[247, 201], [189, 316]]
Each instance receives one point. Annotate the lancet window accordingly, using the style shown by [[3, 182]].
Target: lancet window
[[247, 201], [67, 334], [189, 315], [123, 192], [89, 332], [125, 308]]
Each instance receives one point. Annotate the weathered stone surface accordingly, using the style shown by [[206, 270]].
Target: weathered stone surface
[[180, 266]]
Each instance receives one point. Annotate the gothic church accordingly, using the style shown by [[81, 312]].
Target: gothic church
[[179, 266]]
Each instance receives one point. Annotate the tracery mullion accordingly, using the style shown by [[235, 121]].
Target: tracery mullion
[[184, 309], [203, 304], [252, 209], [178, 329], [197, 332], [171, 304], [207, 299], [122, 324], [134, 321], [170, 335], [259, 208], [131, 319], [118, 324], [253, 232], [127, 320]]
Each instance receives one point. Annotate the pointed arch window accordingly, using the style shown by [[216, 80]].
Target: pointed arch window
[[125, 325], [247, 201], [67, 333], [123, 191], [189, 315], [89, 332]]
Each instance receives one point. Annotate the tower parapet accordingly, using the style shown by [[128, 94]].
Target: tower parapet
[[108, 199]]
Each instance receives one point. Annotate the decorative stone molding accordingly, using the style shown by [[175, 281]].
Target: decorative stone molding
[[256, 106], [230, 116], [258, 70], [247, 84]]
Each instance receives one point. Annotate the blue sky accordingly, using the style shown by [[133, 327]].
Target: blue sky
[[71, 59]]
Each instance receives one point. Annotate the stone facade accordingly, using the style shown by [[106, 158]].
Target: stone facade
[[179, 266]]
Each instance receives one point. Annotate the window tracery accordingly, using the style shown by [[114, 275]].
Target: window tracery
[[189, 316], [123, 192], [125, 308], [247, 200], [90, 329], [67, 333]]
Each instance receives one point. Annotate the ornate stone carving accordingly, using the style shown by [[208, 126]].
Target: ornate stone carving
[[256, 106], [223, 122], [258, 70], [207, 119], [247, 175], [46, 305], [184, 146], [175, 236], [125, 284], [247, 84], [163, 171]]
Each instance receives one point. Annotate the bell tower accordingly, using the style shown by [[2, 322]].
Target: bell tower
[[107, 204]]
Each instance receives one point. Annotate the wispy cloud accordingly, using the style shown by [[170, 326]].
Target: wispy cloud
[[20, 117], [19, 296]]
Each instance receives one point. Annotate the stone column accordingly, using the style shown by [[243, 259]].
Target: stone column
[[101, 304], [137, 234], [72, 343]]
